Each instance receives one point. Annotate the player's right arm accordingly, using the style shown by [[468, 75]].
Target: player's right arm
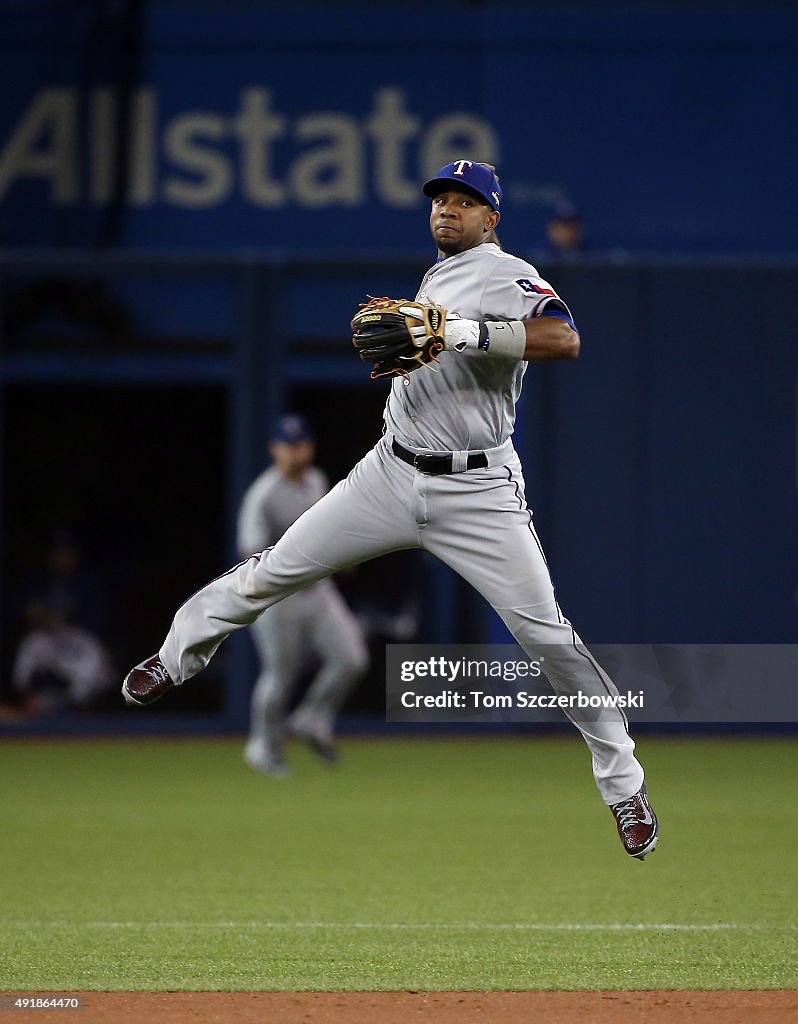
[[525, 319], [547, 337]]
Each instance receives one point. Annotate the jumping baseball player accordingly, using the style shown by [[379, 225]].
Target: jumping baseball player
[[444, 477], [316, 618]]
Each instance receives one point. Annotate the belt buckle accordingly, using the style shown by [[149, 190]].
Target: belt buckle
[[417, 463]]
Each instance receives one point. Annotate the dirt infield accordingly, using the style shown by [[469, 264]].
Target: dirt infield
[[759, 1007]]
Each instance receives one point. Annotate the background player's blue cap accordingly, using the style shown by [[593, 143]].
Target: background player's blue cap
[[292, 429], [468, 175], [565, 211]]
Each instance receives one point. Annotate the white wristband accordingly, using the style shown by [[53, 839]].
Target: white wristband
[[504, 338], [500, 337]]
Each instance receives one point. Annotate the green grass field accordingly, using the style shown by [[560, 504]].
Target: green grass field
[[429, 864]]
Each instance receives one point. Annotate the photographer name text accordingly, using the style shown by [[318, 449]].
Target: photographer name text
[[482, 700]]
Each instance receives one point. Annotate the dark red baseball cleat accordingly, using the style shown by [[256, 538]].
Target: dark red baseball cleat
[[638, 825], [147, 682]]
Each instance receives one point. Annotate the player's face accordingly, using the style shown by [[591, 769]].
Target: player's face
[[293, 459], [459, 221]]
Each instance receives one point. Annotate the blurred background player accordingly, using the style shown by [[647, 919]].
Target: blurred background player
[[314, 620], [565, 231]]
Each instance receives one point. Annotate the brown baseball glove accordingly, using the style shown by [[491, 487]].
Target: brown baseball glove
[[397, 336]]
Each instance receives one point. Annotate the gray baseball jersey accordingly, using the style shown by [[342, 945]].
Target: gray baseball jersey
[[476, 521], [470, 403]]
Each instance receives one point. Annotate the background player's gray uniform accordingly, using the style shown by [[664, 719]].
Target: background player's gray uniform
[[476, 521], [316, 619]]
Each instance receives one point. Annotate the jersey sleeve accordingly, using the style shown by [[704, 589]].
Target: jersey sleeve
[[515, 291]]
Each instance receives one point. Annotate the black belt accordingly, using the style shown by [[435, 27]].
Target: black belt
[[436, 464]]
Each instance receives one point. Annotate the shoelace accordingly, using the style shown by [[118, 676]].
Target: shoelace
[[627, 812], [158, 673]]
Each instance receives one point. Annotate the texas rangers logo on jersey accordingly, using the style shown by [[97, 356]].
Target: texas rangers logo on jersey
[[534, 289]]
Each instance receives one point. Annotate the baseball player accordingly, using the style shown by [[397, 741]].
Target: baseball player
[[444, 477], [316, 617]]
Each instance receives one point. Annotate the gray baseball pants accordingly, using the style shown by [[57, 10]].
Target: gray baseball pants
[[477, 522]]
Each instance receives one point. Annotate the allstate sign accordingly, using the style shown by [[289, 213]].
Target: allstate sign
[[88, 148]]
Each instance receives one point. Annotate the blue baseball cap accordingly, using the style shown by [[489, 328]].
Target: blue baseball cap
[[292, 429], [565, 211], [469, 176]]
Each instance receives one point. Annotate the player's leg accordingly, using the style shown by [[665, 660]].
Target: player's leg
[[505, 562], [366, 515], [279, 636], [481, 527], [337, 638]]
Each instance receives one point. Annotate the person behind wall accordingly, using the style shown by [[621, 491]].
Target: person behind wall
[[565, 232], [61, 661]]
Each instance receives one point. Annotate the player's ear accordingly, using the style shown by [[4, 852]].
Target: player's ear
[[493, 219]]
